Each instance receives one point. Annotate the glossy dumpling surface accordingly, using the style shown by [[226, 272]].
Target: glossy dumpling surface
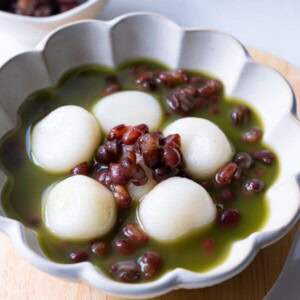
[[176, 208], [79, 208], [65, 138], [129, 108]]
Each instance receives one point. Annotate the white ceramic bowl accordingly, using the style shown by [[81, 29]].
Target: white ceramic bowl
[[30, 30], [148, 35]]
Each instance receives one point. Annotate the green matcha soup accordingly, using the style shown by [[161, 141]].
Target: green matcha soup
[[127, 253]]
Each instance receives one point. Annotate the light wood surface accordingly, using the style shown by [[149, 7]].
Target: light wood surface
[[19, 280]]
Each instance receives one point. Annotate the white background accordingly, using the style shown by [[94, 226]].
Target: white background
[[269, 25]]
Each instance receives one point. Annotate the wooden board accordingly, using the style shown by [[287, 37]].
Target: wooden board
[[19, 280]]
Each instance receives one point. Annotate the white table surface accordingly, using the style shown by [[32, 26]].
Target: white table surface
[[269, 25]]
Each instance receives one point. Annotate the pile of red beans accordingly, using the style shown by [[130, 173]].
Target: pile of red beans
[[126, 153], [38, 8], [191, 92], [122, 159]]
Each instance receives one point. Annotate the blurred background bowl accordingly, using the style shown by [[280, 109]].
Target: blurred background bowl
[[28, 31]]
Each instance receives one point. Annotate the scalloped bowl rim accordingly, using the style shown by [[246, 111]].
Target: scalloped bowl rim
[[175, 279]]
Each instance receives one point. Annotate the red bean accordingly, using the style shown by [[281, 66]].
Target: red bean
[[159, 135], [104, 156], [226, 174], [147, 142], [252, 186], [129, 166], [211, 87], [240, 115], [114, 147], [164, 173], [129, 152], [146, 81], [171, 157], [265, 156], [173, 140], [119, 173], [78, 256], [121, 195], [190, 90], [166, 78], [172, 77], [135, 234], [229, 218], [182, 75], [103, 177], [181, 101], [244, 160], [139, 176], [150, 263], [109, 152], [227, 195], [201, 102], [253, 136], [208, 246], [99, 247], [117, 132], [131, 135], [144, 77], [82, 169], [124, 247], [149, 148], [126, 271]]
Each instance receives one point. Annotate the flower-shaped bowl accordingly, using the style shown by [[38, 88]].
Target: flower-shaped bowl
[[148, 35]]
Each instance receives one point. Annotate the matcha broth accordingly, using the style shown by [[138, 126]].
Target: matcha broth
[[22, 197]]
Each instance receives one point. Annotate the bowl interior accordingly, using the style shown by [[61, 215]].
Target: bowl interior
[[140, 35]]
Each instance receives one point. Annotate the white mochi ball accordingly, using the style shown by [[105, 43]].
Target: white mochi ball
[[65, 138], [204, 146], [79, 208], [176, 208], [129, 108]]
